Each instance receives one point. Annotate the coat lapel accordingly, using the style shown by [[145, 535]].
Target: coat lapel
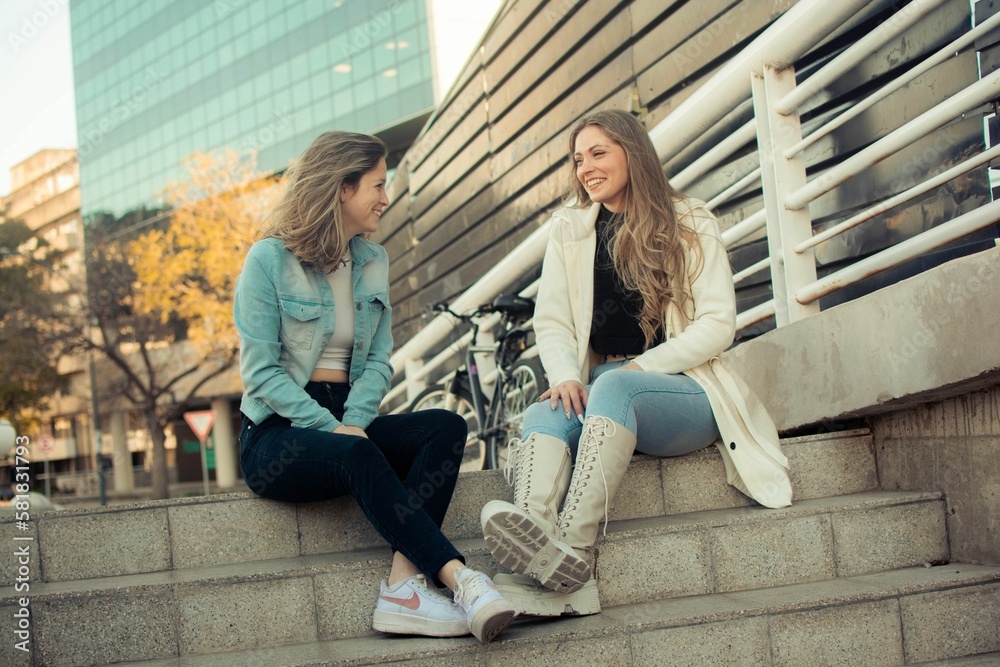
[[579, 252]]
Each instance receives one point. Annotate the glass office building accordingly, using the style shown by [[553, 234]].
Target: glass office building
[[158, 80]]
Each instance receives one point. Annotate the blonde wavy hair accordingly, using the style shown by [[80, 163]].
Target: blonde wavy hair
[[649, 248], [307, 216]]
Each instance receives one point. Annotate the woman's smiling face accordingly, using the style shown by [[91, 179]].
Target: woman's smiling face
[[362, 206], [602, 167]]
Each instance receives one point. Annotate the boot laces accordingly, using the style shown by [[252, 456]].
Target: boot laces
[[517, 470], [594, 431]]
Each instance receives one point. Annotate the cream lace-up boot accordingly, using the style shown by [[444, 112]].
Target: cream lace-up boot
[[517, 534], [541, 499], [602, 459], [538, 469]]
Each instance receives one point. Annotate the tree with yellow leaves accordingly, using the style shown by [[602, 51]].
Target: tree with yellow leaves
[[189, 270], [166, 321]]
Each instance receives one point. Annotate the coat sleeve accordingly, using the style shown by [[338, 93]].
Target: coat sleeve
[[555, 333], [713, 326]]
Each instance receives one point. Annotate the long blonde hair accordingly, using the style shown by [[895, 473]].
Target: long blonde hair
[[307, 216], [649, 246]]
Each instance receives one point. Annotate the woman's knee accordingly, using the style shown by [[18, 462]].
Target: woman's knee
[[452, 426], [611, 393], [614, 383], [541, 418], [536, 412], [444, 430]]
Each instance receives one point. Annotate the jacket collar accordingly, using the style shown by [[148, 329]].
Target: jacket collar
[[362, 250], [583, 221]]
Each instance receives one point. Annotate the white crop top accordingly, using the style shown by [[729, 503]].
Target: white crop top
[[337, 355]]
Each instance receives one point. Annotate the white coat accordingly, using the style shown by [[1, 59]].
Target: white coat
[[694, 341]]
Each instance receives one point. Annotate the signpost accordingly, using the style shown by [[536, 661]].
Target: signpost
[[46, 444], [201, 422]]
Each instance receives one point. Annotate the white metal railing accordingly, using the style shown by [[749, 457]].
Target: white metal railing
[[761, 78]]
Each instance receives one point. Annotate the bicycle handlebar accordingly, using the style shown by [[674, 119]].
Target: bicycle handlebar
[[443, 307]]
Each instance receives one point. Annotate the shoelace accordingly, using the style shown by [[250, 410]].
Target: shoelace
[[595, 428], [468, 589], [513, 452], [518, 474], [420, 581]]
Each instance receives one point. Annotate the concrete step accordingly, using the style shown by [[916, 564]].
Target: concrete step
[[214, 608], [981, 660], [197, 532], [904, 617]]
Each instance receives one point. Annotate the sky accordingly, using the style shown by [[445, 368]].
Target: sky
[[36, 71], [36, 77]]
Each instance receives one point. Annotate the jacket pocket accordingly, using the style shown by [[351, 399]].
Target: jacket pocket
[[299, 319]]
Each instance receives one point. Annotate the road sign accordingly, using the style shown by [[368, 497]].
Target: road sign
[[46, 443], [200, 422]]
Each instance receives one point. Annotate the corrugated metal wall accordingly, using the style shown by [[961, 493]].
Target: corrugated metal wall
[[492, 163]]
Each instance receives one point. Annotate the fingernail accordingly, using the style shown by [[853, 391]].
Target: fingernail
[[552, 406], [567, 413], [580, 417]]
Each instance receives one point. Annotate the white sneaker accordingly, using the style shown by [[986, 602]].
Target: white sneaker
[[412, 607], [487, 612]]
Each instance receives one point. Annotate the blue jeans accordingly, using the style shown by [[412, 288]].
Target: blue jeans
[[402, 476], [670, 415]]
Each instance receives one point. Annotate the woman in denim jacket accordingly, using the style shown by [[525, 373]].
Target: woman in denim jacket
[[312, 310]]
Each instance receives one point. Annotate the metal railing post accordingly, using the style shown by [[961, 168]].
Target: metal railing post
[[414, 385], [790, 271]]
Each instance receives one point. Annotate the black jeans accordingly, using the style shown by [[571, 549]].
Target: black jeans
[[402, 476]]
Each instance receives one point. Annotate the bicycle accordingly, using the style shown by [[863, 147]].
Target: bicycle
[[519, 380]]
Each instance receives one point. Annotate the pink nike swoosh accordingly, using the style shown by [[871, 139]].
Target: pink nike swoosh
[[412, 602]]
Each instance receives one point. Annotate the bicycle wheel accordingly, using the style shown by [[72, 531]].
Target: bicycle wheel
[[525, 382], [437, 397]]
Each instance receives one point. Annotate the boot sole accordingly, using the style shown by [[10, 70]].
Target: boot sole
[[519, 543], [491, 620], [584, 602]]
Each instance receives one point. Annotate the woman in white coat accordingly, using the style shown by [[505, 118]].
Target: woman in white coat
[[635, 305]]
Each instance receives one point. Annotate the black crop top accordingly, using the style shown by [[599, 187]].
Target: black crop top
[[614, 327]]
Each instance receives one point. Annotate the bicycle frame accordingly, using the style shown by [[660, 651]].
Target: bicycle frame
[[477, 357]]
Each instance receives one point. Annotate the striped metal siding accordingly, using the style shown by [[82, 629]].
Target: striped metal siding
[[492, 163]]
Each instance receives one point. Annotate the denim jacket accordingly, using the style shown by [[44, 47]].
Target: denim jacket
[[285, 314]]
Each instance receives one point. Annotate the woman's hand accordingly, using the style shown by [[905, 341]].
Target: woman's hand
[[572, 394], [344, 429]]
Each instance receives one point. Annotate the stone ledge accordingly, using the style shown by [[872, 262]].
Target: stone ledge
[[709, 623]]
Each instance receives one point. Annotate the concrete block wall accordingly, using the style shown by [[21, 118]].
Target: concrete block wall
[[920, 361], [954, 446]]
